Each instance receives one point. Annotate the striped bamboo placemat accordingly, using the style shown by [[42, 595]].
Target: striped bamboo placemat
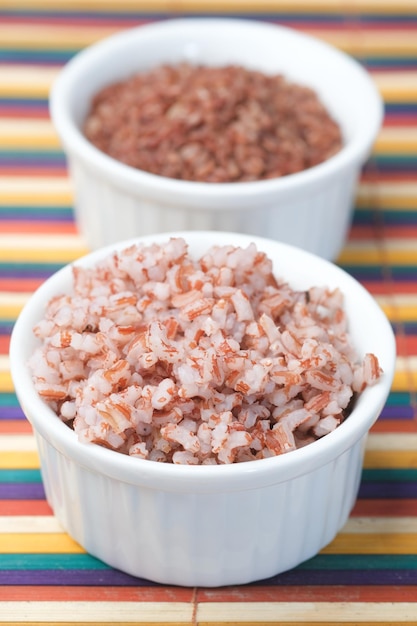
[[368, 574]]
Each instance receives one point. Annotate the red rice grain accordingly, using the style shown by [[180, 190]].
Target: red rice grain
[[167, 358], [207, 124]]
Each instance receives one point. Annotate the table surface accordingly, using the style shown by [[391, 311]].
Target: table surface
[[368, 574]]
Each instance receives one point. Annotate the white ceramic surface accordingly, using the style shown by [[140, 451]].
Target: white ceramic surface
[[208, 525], [310, 209]]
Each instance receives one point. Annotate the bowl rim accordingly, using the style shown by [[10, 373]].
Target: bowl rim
[[180, 478], [353, 151]]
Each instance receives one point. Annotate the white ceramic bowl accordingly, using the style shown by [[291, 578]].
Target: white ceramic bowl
[[208, 525], [311, 209]]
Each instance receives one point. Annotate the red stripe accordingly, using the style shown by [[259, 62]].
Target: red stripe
[[361, 232], [28, 111], [4, 344], [32, 170], [296, 593], [407, 346], [388, 288], [30, 226], [261, 593], [25, 507], [17, 427], [400, 119], [20, 284], [95, 594], [401, 507], [396, 177]]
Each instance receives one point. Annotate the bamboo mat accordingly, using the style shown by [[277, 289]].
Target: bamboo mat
[[368, 575]]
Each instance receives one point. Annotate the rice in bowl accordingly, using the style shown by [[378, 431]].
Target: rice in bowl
[[162, 356]]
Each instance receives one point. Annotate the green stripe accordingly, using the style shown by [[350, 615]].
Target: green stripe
[[20, 476], [50, 561], [319, 562], [49, 211], [399, 398], [24, 153], [31, 268], [387, 215], [360, 562], [389, 475], [8, 399]]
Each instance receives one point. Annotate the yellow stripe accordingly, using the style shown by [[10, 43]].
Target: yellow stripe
[[10, 306], [396, 86], [373, 543], [17, 133], [51, 37], [404, 381], [43, 248], [27, 134], [103, 612], [384, 459], [23, 81], [397, 313], [397, 140], [19, 460], [401, 196], [6, 384], [383, 43], [354, 254], [34, 191], [35, 543]]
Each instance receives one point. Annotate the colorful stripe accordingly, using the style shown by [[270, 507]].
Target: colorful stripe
[[368, 573]]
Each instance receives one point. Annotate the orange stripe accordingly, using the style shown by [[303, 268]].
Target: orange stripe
[[25, 507], [48, 227], [95, 594], [17, 427], [20, 284], [395, 426], [401, 507]]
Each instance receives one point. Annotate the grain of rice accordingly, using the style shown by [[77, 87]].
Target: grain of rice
[[168, 358], [212, 124]]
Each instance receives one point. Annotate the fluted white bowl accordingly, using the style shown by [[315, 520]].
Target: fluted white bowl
[[310, 209], [208, 525]]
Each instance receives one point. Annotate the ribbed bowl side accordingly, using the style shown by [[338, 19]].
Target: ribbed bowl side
[[204, 539], [316, 222]]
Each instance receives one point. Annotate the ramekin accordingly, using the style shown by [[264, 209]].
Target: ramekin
[[310, 209], [208, 525]]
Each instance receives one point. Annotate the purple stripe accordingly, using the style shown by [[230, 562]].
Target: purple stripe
[[397, 412], [11, 413], [388, 490], [96, 577], [344, 577], [115, 578], [22, 491]]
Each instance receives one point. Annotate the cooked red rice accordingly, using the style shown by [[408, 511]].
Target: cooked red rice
[[164, 357], [208, 124]]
